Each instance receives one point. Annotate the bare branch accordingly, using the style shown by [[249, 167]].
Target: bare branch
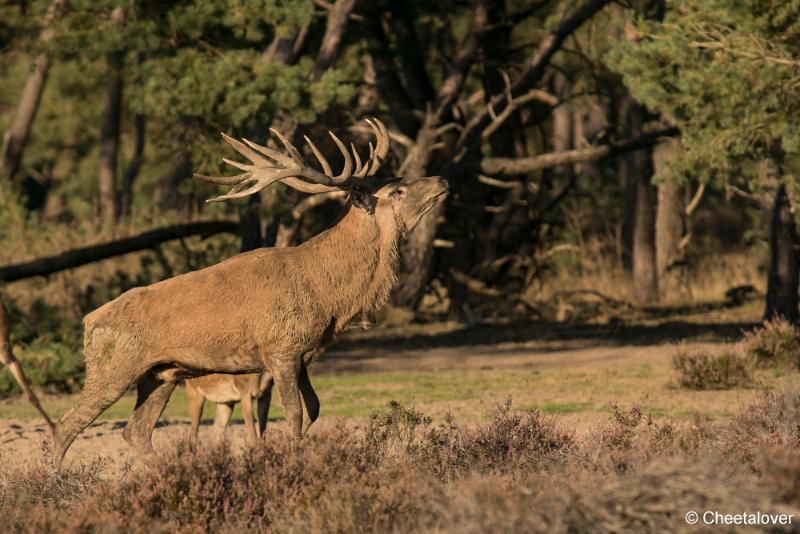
[[534, 72], [7, 358], [488, 180], [515, 103], [315, 200], [467, 51], [513, 166], [718, 45], [692, 205]]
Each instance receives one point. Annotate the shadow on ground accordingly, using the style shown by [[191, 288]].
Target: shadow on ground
[[613, 333]]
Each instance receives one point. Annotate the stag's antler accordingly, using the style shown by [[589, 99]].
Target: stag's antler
[[292, 169]]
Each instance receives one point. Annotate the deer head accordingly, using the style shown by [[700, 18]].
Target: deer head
[[400, 200]]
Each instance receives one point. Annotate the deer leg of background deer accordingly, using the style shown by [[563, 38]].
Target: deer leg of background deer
[[286, 375], [152, 395], [249, 422], [310, 398], [195, 400], [100, 391], [222, 417]]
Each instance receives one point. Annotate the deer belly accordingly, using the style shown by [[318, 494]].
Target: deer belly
[[223, 391]]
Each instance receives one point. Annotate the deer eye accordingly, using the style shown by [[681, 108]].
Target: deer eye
[[398, 193]]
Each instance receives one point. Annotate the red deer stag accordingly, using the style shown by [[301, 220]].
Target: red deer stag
[[257, 311]]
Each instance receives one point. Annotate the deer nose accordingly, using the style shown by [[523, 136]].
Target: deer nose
[[443, 182]]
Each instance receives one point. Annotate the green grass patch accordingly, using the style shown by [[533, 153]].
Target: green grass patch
[[472, 394], [566, 407]]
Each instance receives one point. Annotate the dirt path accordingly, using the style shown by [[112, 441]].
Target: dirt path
[[498, 356]]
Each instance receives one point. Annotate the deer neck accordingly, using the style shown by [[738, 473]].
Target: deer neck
[[354, 264]]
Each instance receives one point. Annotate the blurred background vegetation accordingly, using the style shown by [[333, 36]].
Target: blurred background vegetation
[[602, 156]]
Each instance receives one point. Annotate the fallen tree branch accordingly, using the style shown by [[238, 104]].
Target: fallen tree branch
[[84, 255], [515, 166]]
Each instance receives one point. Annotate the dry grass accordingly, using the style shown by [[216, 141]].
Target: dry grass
[[521, 471], [707, 278]]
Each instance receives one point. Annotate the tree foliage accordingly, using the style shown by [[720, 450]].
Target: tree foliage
[[726, 73]]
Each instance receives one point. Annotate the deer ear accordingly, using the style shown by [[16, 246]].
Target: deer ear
[[363, 199]]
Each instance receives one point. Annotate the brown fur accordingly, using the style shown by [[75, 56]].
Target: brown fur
[[226, 390], [258, 311]]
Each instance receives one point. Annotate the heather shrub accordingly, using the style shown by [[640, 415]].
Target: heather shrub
[[703, 370], [519, 472], [516, 439], [770, 424], [513, 439], [775, 344]]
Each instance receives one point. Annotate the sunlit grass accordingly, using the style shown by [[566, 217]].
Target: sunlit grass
[[584, 393]]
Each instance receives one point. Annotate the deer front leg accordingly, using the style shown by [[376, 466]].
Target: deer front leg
[[286, 375], [310, 398]]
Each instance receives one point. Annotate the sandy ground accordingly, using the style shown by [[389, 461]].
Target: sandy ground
[[21, 441]]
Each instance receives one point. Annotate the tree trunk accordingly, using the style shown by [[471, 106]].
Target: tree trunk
[[504, 141], [638, 170], [669, 226], [109, 134], [338, 17], [417, 251], [784, 268], [126, 190], [250, 223], [17, 135]]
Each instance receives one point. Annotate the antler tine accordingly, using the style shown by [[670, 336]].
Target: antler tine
[[358, 160], [242, 166], [382, 147], [244, 150], [268, 166], [361, 172], [224, 180], [290, 148], [270, 153], [347, 171], [239, 190], [321, 158]]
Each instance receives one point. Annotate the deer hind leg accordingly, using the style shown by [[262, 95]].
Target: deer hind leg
[[286, 375], [263, 402], [310, 398], [152, 395], [249, 422], [102, 389], [195, 400]]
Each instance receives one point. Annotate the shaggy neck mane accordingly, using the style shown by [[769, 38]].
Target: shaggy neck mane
[[354, 264]]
